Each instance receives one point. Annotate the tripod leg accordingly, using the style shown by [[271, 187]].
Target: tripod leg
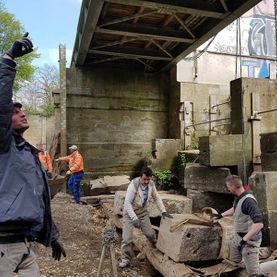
[[113, 261], [101, 261]]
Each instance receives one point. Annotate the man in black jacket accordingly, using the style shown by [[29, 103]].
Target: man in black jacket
[[25, 212]]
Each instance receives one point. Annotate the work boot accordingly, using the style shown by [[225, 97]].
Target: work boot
[[124, 263]]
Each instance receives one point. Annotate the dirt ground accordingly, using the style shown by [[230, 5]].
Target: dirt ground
[[81, 229]]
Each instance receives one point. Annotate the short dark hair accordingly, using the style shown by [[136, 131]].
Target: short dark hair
[[146, 171], [17, 105], [234, 180]]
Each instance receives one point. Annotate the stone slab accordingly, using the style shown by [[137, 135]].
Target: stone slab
[[269, 142], [220, 150], [201, 199], [108, 185], [190, 242], [269, 161], [174, 204], [205, 178]]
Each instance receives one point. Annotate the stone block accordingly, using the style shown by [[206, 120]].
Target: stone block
[[270, 229], [191, 242], [264, 186], [269, 161], [174, 204], [204, 178], [220, 150], [201, 199], [108, 184], [269, 142]]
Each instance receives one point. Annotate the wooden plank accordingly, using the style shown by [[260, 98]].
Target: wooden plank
[[146, 34], [130, 56], [168, 8]]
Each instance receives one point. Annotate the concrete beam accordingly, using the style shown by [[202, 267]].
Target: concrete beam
[[167, 7]]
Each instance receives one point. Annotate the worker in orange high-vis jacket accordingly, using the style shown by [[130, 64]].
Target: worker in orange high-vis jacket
[[76, 171], [44, 158]]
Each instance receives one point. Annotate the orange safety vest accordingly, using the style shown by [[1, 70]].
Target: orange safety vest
[[75, 162], [45, 161]]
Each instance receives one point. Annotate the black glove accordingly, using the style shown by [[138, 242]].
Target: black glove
[[241, 245], [20, 47], [166, 214], [218, 215], [57, 250], [136, 223]]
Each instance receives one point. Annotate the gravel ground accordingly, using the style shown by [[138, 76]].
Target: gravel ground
[[81, 229]]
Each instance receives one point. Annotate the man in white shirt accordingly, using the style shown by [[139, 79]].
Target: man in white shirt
[[135, 214]]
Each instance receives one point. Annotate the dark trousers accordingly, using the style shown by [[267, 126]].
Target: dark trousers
[[74, 185]]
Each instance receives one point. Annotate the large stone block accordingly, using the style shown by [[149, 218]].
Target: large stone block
[[108, 184], [269, 142], [220, 150], [269, 161], [174, 204], [201, 199], [191, 242], [204, 178], [264, 186]]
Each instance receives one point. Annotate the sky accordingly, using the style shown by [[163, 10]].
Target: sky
[[49, 23]]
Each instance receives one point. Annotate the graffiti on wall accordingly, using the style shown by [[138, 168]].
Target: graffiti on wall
[[256, 30]]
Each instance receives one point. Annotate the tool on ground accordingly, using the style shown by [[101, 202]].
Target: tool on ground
[[109, 238]]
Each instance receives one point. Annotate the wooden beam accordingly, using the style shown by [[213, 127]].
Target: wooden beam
[[129, 55], [168, 8], [86, 27], [213, 31], [144, 33], [164, 50], [224, 5], [127, 18], [184, 25], [119, 42]]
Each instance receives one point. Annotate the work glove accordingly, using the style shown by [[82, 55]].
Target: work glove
[[166, 214], [20, 47], [68, 172], [242, 245], [217, 215], [57, 250], [136, 223]]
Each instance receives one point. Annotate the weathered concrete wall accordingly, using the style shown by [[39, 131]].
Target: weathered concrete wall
[[199, 95], [113, 114], [41, 130]]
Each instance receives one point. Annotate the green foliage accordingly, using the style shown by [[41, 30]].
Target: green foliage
[[183, 159], [48, 110], [11, 30], [164, 180]]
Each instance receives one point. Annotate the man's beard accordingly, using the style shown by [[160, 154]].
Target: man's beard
[[21, 130]]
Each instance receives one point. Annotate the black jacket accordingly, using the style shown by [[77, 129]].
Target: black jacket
[[24, 192]]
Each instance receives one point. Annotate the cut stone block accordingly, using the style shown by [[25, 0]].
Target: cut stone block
[[204, 178], [191, 242], [269, 142], [269, 161], [174, 204], [264, 186], [220, 150], [201, 199], [108, 184]]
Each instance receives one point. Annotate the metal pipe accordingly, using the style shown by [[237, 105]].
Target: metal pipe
[[267, 111], [206, 122], [220, 104]]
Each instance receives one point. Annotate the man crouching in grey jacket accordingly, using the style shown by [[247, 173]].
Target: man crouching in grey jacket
[[135, 214], [25, 212]]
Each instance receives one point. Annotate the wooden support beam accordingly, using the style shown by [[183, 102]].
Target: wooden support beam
[[224, 5], [167, 7], [184, 25], [164, 50], [119, 42], [127, 18], [129, 55], [145, 33], [86, 27]]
